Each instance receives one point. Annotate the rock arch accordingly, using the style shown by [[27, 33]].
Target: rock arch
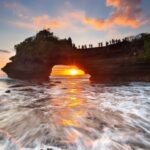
[[36, 56]]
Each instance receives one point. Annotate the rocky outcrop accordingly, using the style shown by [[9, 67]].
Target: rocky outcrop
[[118, 62]]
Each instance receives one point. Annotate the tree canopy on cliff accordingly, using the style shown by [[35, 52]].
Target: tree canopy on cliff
[[42, 45], [147, 46]]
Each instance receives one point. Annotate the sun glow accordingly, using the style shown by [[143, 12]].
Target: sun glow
[[74, 72], [68, 71]]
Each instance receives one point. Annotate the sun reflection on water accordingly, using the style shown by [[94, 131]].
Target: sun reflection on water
[[72, 106]]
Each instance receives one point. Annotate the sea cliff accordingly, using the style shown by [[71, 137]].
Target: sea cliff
[[119, 61]]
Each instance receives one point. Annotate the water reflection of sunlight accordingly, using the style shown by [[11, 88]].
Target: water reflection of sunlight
[[72, 110], [74, 102]]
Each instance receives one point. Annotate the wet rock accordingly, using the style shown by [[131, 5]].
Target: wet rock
[[8, 91], [58, 82], [43, 99], [1, 137], [103, 124], [17, 85], [52, 84], [64, 88], [27, 90]]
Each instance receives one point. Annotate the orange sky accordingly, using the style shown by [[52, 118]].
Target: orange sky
[[4, 58]]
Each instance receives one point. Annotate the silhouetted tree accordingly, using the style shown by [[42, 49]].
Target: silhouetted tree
[[113, 41], [70, 40], [44, 34], [125, 39], [119, 41], [28, 40]]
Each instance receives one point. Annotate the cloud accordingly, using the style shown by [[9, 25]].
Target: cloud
[[4, 51], [38, 22], [26, 18], [45, 22], [65, 20], [68, 17], [125, 13]]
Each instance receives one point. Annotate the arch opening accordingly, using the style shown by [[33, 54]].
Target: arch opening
[[68, 71]]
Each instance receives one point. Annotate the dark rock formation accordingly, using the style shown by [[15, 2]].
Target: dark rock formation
[[126, 60]]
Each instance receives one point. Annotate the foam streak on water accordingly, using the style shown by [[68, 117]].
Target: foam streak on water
[[74, 114]]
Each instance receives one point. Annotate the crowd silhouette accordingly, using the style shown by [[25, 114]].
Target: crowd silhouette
[[130, 39], [100, 44]]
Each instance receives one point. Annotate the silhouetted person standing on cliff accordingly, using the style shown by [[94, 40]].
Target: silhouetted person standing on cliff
[[107, 43], [70, 40], [99, 44]]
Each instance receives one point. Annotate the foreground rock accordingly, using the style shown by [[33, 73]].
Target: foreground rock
[[123, 61]]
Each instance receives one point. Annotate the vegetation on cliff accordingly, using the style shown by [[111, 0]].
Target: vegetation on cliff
[[147, 46], [42, 46]]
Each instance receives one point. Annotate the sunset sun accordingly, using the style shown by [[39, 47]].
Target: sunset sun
[[74, 72], [68, 71]]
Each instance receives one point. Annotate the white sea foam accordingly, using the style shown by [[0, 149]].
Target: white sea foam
[[74, 115]]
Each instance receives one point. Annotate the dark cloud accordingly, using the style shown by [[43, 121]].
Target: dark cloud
[[4, 51]]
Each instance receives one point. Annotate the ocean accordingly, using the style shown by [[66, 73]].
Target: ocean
[[74, 114]]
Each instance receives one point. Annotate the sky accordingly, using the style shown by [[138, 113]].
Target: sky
[[85, 21], [4, 58]]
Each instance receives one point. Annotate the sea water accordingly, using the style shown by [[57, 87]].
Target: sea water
[[74, 114]]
